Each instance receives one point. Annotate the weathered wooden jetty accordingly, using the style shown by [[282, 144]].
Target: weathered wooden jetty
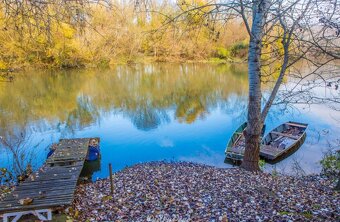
[[52, 186]]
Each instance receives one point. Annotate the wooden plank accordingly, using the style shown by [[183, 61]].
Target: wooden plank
[[38, 206], [37, 193], [52, 175], [37, 200], [296, 124], [67, 162], [285, 135], [57, 182], [53, 180], [37, 186], [46, 167], [67, 157], [37, 196], [65, 199], [44, 177], [46, 188], [269, 150], [49, 169], [48, 184], [46, 193], [69, 186]]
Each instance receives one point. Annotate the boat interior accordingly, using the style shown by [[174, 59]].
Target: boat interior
[[284, 135], [239, 145]]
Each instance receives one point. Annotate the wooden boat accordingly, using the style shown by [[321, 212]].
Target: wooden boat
[[236, 144], [284, 138]]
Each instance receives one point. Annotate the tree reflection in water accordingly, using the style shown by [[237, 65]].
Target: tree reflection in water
[[144, 93], [19, 148], [70, 101], [165, 104]]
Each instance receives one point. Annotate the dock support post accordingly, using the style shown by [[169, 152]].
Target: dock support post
[[111, 181]]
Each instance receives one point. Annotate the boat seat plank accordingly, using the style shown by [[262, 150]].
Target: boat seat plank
[[296, 124], [285, 135], [270, 152]]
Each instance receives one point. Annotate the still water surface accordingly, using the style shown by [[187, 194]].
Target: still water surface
[[147, 113]]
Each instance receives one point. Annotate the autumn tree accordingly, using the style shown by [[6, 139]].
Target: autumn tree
[[296, 23], [294, 39]]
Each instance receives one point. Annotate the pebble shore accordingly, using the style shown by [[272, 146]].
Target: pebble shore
[[182, 191]]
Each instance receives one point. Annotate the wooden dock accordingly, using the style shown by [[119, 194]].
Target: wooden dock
[[53, 185]]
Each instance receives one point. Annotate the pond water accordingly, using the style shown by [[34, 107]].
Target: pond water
[[146, 113]]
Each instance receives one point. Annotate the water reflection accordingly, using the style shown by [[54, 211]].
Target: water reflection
[[142, 93], [142, 113]]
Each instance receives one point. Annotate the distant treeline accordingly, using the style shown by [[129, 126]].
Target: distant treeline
[[106, 34]]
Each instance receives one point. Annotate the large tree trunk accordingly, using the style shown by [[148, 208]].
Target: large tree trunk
[[254, 127]]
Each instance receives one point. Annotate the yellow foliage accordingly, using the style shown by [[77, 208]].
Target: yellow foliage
[[67, 31], [273, 54], [3, 65], [114, 35]]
